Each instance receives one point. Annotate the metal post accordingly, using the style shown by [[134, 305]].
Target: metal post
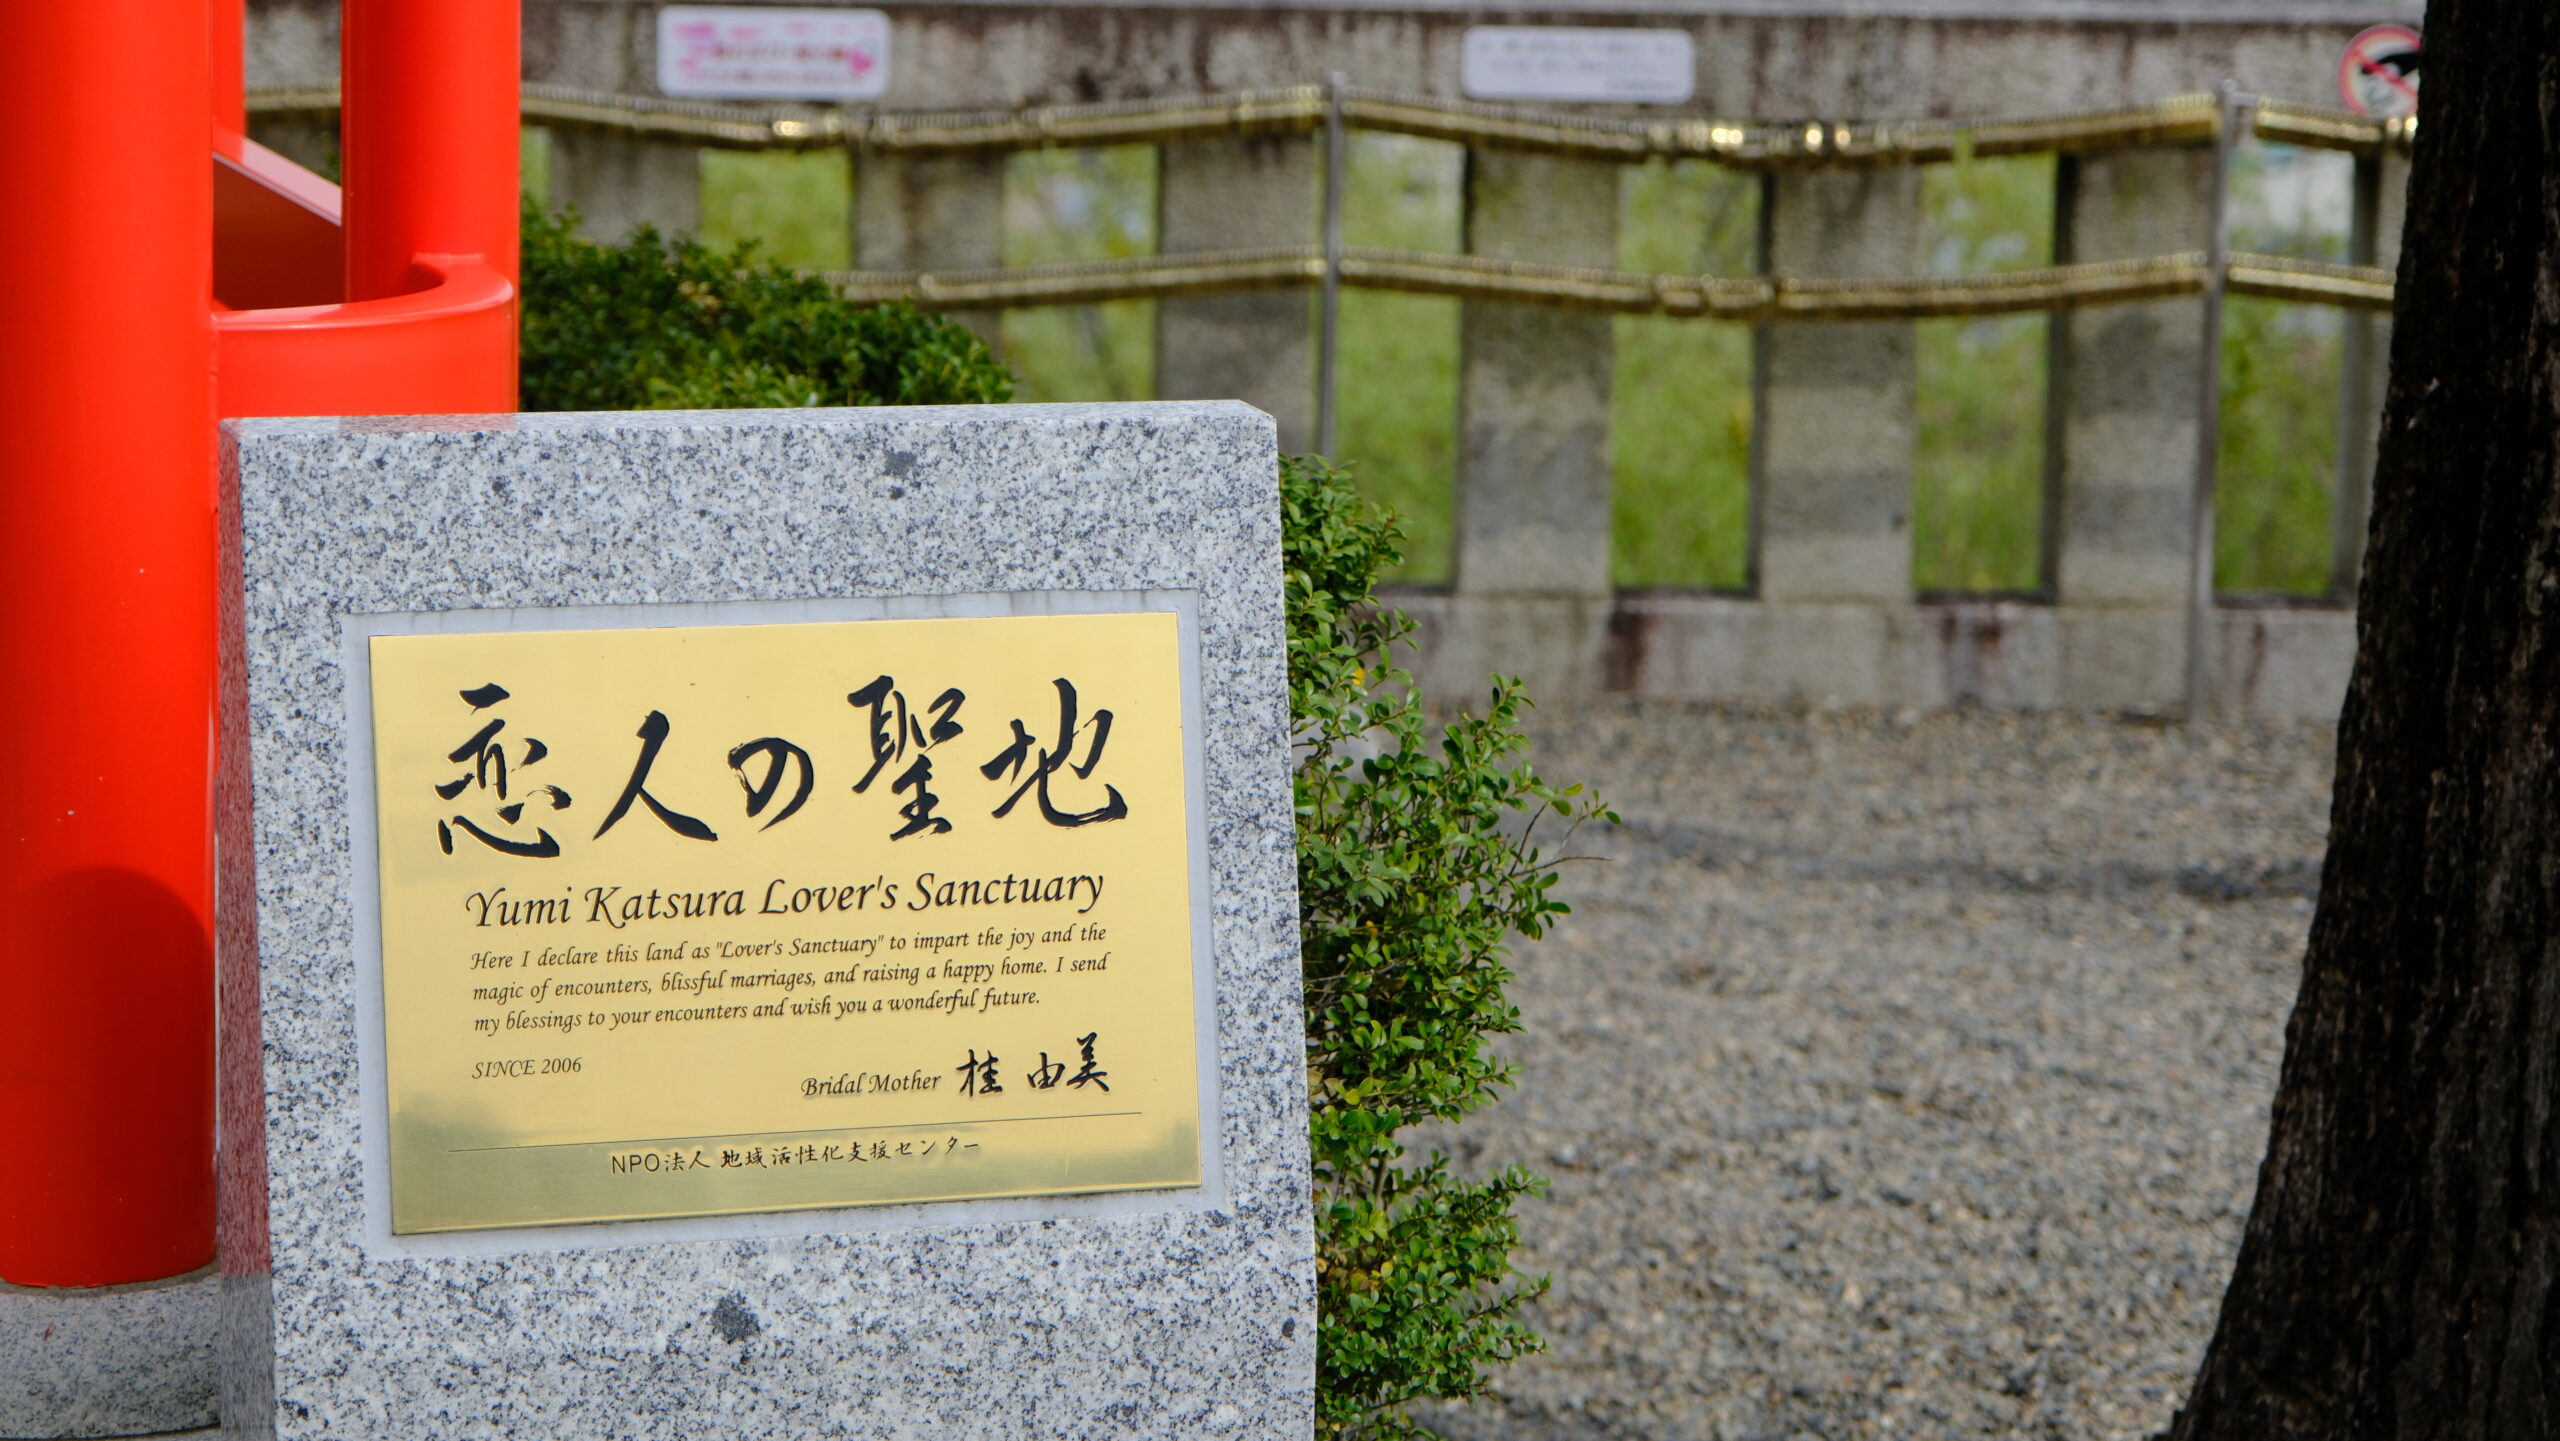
[[1329, 326], [107, 619], [431, 138], [227, 34], [2209, 400]]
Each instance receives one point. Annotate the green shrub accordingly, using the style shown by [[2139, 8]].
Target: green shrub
[[1413, 873], [659, 324]]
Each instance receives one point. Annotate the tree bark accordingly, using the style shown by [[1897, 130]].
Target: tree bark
[[2397, 1276]]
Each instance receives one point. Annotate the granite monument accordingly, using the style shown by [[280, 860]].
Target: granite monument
[[761, 924]]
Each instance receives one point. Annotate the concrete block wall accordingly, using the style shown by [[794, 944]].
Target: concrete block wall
[[1239, 194], [1837, 421], [2127, 382], [1531, 571], [931, 212], [1831, 611], [2124, 431]]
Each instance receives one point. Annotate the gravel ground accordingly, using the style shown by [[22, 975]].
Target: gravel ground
[[1897, 1075]]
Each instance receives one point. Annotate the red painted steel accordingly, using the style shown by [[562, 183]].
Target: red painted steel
[[107, 532], [423, 353], [229, 29], [292, 346], [430, 141], [430, 135], [276, 240], [107, 627]]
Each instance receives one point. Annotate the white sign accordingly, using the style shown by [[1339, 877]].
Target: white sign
[[1558, 62], [2378, 74], [745, 52]]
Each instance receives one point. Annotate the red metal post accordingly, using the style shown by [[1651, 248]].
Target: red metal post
[[107, 585], [429, 138], [106, 626], [229, 33]]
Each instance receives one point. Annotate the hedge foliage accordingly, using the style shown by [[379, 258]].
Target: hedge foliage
[[1414, 871], [671, 324]]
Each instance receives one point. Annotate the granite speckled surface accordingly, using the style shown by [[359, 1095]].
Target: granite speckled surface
[[1184, 1320], [107, 1360]]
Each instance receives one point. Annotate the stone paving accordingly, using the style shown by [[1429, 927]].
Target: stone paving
[[1898, 1075]]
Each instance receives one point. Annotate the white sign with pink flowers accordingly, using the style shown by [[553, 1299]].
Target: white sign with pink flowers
[[756, 52]]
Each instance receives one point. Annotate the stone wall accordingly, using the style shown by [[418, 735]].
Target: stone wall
[[1831, 611]]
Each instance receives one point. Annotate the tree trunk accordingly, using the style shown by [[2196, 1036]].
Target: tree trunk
[[2397, 1278]]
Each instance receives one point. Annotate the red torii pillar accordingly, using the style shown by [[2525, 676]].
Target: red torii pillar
[[150, 293], [107, 624]]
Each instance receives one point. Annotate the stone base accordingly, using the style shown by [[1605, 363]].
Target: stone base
[[108, 1361], [1553, 644], [2270, 662]]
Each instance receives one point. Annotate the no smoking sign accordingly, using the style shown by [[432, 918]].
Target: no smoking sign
[[2378, 75]]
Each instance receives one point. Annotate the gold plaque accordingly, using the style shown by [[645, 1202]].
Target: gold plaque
[[701, 920]]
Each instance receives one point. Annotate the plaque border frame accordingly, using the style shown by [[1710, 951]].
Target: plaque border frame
[[373, 1093]]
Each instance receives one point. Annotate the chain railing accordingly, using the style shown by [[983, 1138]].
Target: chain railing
[[2178, 120], [1621, 292], [2215, 120]]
